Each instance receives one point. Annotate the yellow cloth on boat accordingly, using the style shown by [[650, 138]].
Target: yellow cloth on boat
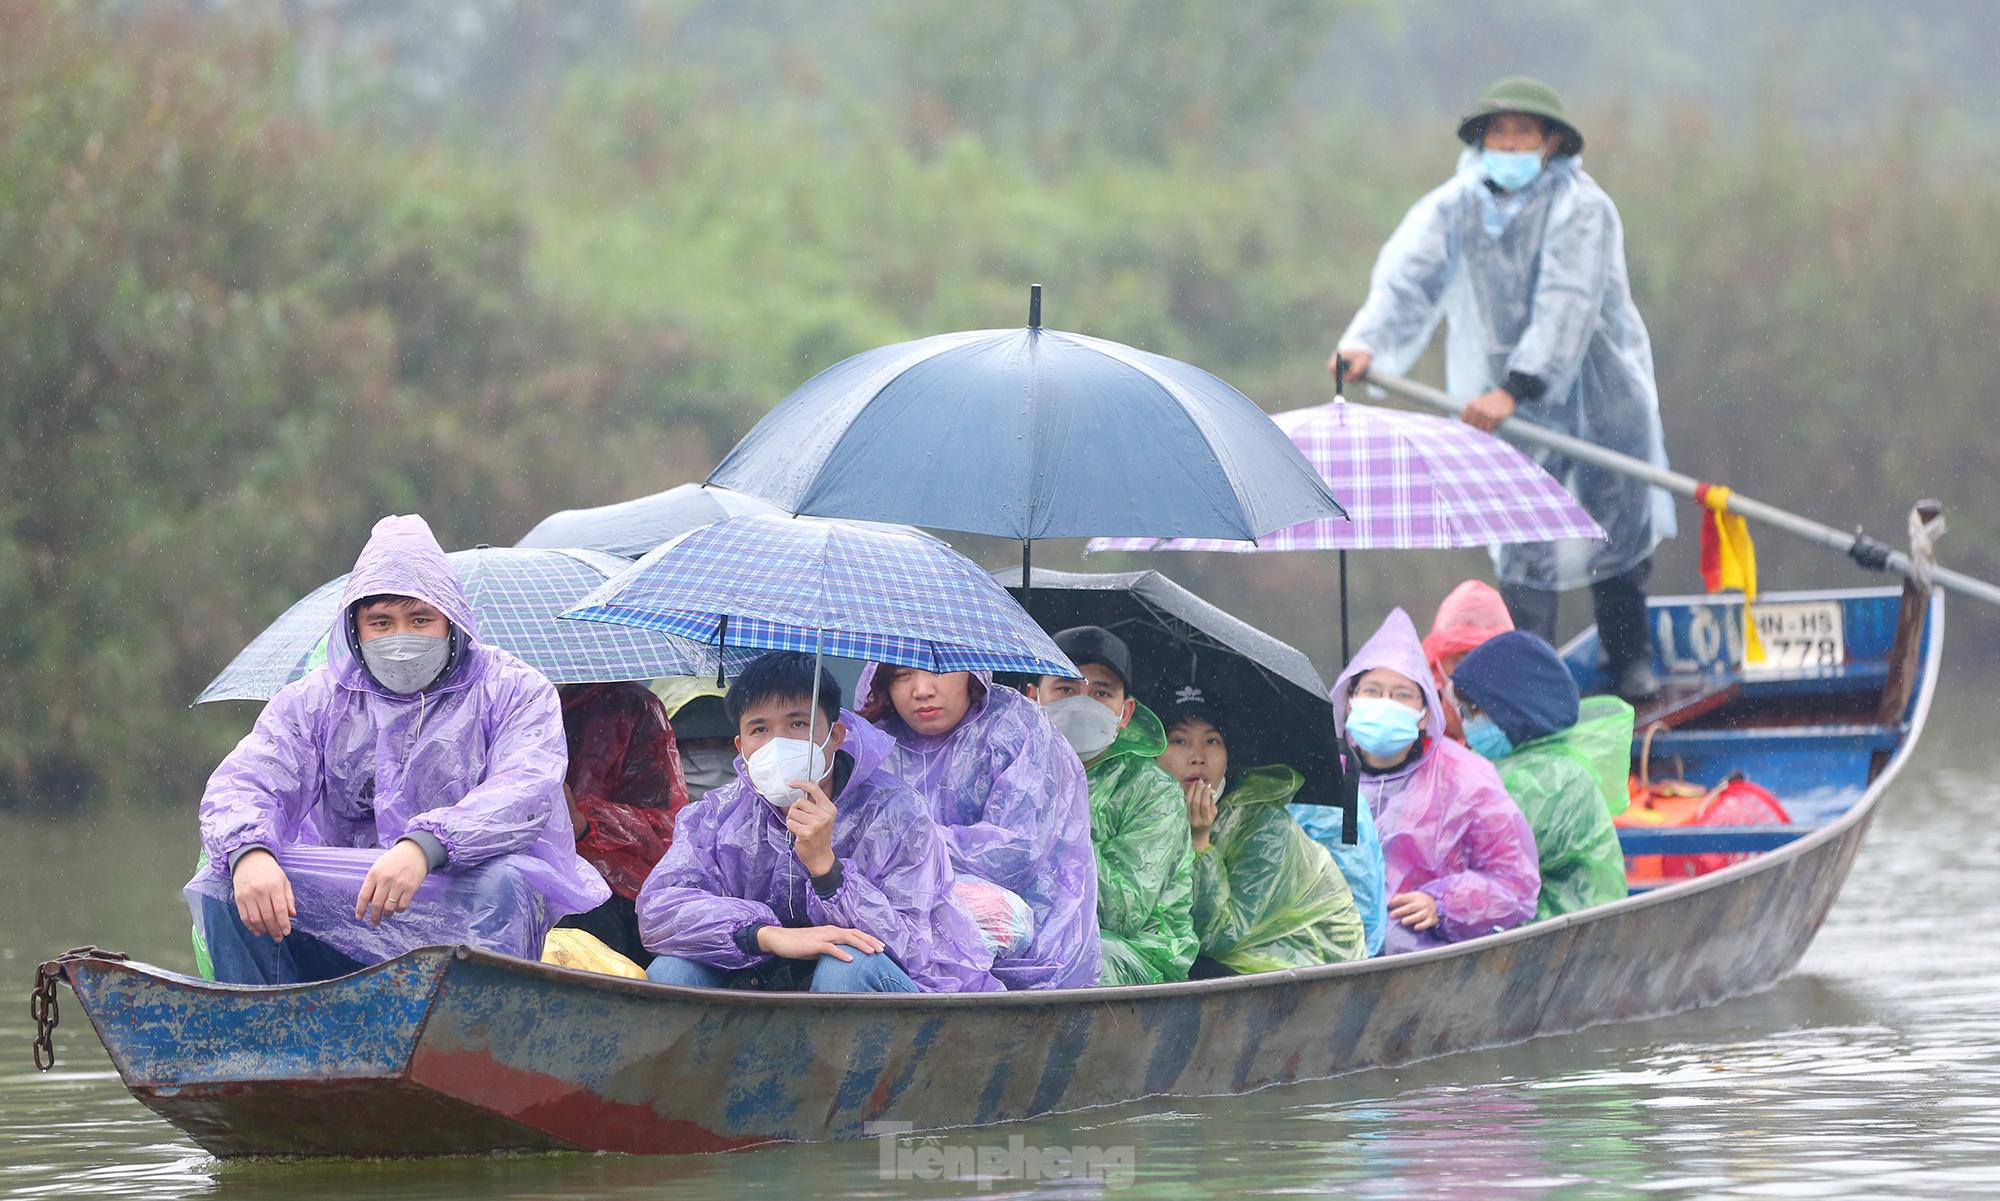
[[585, 953], [1729, 561]]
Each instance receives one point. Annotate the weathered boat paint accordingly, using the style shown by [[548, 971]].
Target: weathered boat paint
[[451, 1050]]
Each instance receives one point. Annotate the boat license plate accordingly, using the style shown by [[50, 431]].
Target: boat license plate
[[1801, 634]]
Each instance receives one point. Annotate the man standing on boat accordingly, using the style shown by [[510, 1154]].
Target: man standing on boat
[[1523, 256], [406, 793]]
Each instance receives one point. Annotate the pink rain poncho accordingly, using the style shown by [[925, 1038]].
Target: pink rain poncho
[[732, 867], [1471, 614], [338, 769], [1448, 827], [1009, 797]]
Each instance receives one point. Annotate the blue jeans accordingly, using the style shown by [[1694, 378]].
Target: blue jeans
[[868, 973], [240, 957]]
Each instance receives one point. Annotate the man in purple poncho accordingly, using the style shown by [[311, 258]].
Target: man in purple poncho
[[1010, 798], [406, 793], [816, 866]]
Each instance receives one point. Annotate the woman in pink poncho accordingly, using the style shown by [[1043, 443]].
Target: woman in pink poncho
[[1459, 858]]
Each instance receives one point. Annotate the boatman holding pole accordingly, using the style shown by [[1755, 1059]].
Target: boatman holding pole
[[1523, 256]]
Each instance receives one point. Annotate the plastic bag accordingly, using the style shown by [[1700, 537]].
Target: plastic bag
[[585, 952]]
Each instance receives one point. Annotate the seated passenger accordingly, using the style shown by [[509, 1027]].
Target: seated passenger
[[1266, 896], [1360, 862], [1470, 614], [624, 789], [703, 732], [814, 867], [1138, 815], [1567, 775], [407, 793], [1009, 796], [1458, 855]]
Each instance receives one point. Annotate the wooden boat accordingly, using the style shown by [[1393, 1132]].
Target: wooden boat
[[456, 1050]]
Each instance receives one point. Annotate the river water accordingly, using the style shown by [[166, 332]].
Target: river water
[[1873, 1071]]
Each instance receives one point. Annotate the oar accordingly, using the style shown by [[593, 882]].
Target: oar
[[1868, 552]]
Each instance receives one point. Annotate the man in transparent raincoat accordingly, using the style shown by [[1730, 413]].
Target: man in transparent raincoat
[[1523, 256], [407, 792], [1563, 762]]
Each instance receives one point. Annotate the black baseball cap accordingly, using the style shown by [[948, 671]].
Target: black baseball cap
[[1095, 644]]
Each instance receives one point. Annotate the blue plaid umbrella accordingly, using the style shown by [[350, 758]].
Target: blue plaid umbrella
[[827, 587], [516, 594]]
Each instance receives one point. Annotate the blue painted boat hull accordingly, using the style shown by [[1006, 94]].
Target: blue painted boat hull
[[449, 1050]]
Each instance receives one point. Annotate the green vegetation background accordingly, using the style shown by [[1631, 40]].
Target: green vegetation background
[[264, 282]]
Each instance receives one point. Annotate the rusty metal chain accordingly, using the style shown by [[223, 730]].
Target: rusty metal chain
[[42, 1005]]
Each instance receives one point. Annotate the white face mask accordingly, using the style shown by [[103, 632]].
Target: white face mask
[[1087, 725], [778, 762]]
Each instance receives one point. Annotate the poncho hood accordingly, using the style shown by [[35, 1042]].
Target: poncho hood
[[1521, 683], [403, 558], [1394, 646]]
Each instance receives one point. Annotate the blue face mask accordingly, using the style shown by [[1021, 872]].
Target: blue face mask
[[1512, 169], [1485, 736], [1380, 726]]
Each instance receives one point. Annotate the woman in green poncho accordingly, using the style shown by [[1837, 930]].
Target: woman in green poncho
[[1563, 761], [1266, 896]]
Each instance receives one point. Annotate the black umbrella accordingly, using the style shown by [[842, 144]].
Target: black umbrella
[[1178, 639]]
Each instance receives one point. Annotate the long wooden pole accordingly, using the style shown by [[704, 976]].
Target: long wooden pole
[[1868, 552]]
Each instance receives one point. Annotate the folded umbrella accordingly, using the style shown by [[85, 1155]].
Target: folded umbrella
[[517, 595], [827, 587]]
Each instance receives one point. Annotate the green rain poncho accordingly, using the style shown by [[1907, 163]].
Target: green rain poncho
[[1554, 780], [1266, 896], [1145, 861]]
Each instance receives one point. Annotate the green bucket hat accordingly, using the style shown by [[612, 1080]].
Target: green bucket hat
[[1520, 94]]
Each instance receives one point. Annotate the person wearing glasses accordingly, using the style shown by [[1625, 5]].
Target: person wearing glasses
[[1458, 856]]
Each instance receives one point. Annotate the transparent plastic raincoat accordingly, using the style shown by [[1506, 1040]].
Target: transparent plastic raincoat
[[1145, 859], [1568, 768], [1360, 864], [338, 769], [732, 867], [1546, 297], [1009, 797], [1266, 896], [1448, 827]]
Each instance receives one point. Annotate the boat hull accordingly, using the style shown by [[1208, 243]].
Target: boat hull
[[451, 1050]]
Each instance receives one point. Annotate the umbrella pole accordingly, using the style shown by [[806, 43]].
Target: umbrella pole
[[1345, 653], [1027, 575], [812, 712]]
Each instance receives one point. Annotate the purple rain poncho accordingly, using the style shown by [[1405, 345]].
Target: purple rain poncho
[[1009, 796], [338, 769], [1448, 827], [731, 866]]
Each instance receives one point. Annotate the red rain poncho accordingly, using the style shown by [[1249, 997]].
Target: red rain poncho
[[338, 769], [1448, 827], [625, 775], [1472, 613]]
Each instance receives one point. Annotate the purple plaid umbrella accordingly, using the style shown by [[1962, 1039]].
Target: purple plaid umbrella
[[1410, 482]]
